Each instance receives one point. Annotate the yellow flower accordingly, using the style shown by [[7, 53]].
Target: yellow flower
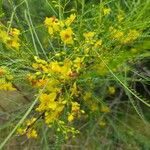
[[120, 17], [75, 111], [89, 35], [55, 66], [52, 24], [116, 34], [74, 90], [102, 123], [31, 121], [131, 36], [53, 85], [70, 19], [40, 61], [61, 23], [47, 102], [41, 67], [63, 69], [92, 104], [78, 63], [21, 131], [70, 117], [98, 44], [50, 30], [121, 37], [32, 133], [48, 21], [106, 11], [87, 96], [52, 105], [41, 82], [51, 116], [12, 39], [111, 90], [2, 71], [4, 36], [52, 21], [105, 109], [14, 44], [75, 107], [7, 86], [15, 32], [66, 68], [66, 36]]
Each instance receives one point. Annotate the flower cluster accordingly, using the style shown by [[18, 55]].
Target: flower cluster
[[66, 130], [6, 79], [55, 78], [61, 27], [64, 98], [28, 128], [122, 37], [11, 38], [75, 111], [106, 11]]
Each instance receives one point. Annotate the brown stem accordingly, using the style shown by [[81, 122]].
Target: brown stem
[[41, 115]]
